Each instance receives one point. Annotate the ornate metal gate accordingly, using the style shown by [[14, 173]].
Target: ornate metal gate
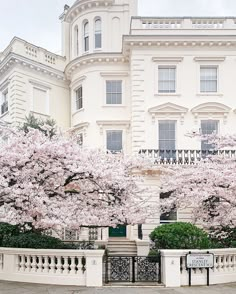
[[132, 269]]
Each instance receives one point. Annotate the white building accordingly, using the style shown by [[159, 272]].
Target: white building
[[128, 83]]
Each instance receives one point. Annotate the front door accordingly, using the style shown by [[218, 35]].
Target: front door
[[119, 231]]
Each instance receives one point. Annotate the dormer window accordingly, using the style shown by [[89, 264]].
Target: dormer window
[[98, 33], [86, 36]]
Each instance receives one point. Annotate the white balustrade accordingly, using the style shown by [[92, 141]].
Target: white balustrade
[[182, 157], [31, 51], [162, 24], [62, 267], [175, 274], [182, 23]]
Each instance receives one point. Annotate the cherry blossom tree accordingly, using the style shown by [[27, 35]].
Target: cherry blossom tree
[[54, 183], [207, 187]]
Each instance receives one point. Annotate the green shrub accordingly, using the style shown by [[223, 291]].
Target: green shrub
[[180, 235], [32, 240], [224, 237], [8, 230]]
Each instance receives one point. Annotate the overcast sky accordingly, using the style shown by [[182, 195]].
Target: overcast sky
[[37, 20]]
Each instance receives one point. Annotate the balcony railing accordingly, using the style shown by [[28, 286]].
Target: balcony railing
[[157, 24], [4, 107], [182, 157]]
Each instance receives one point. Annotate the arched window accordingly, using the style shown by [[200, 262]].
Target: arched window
[[98, 33], [86, 36], [76, 41]]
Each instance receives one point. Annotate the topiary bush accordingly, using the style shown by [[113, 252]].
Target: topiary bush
[[32, 240], [180, 235]]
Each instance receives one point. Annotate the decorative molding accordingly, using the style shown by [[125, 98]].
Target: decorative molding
[[210, 58], [83, 5], [77, 82], [169, 109], [90, 59], [114, 74], [168, 59], [210, 109], [40, 85], [112, 123], [14, 59], [81, 127], [4, 85]]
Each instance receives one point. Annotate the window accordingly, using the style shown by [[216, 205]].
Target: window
[[98, 33], [80, 139], [76, 40], [4, 105], [40, 100], [168, 217], [208, 79], [167, 138], [86, 36], [79, 98], [114, 92], [166, 79], [114, 141], [207, 128]]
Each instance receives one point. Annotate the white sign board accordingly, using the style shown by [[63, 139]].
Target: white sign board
[[196, 260]]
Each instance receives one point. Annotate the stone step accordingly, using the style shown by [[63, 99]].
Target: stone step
[[122, 247]]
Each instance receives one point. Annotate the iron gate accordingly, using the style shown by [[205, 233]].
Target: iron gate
[[132, 269]]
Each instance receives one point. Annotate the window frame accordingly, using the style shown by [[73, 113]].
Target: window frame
[[158, 130], [86, 36], [115, 93], [43, 87], [4, 102], [76, 41], [166, 92], [217, 131], [207, 66], [97, 32], [163, 222], [79, 99], [122, 140]]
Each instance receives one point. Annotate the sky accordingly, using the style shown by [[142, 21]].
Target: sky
[[37, 21]]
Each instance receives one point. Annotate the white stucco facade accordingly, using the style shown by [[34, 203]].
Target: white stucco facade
[[122, 78]]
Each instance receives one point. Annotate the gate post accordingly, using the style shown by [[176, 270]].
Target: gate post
[[94, 266], [133, 269], [170, 268]]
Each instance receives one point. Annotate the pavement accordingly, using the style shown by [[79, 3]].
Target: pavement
[[25, 288]]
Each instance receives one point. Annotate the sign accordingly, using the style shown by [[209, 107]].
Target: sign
[[198, 260]]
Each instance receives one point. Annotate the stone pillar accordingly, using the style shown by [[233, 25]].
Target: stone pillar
[[170, 268], [94, 263]]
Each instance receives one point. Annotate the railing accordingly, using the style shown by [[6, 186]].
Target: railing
[[38, 54], [224, 270], [182, 23], [85, 234], [4, 107], [182, 157], [61, 267], [175, 274]]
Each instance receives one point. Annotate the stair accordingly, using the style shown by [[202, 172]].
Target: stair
[[121, 247]]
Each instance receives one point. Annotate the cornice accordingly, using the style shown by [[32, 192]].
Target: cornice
[[211, 107], [132, 41], [113, 123], [84, 5], [210, 58], [14, 59], [167, 59], [94, 58]]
